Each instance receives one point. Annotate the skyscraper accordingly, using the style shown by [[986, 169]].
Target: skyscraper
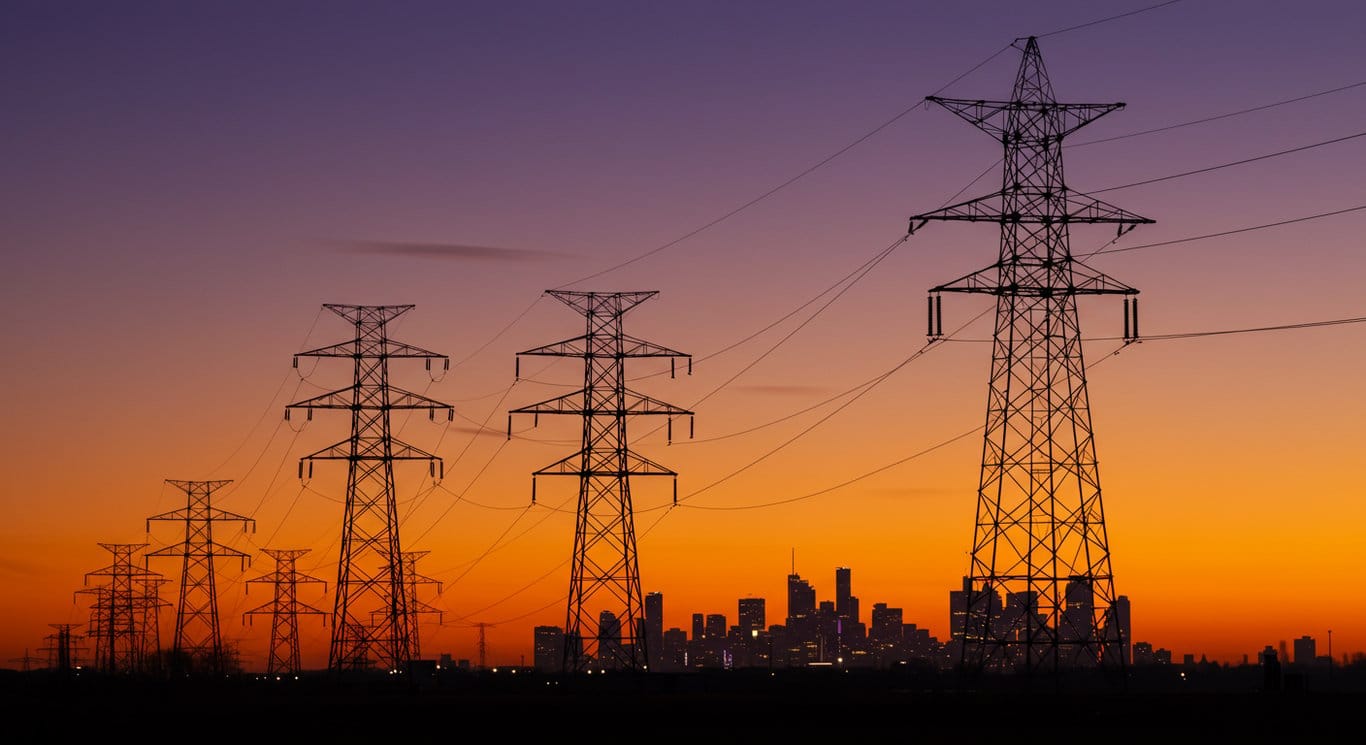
[[716, 625], [1122, 632], [654, 629], [548, 654], [1306, 650], [801, 597], [842, 592], [751, 615]]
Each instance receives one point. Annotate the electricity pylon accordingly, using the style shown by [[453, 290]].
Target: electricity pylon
[[118, 617], [370, 622], [63, 648], [1039, 535], [284, 609], [483, 645], [198, 645], [605, 574], [416, 606]]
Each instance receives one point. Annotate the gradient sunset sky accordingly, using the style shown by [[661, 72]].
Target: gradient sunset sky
[[186, 184]]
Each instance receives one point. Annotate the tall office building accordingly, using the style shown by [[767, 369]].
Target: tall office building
[[842, 592], [801, 597], [1306, 651], [654, 629], [610, 647], [988, 605], [674, 656], [751, 615], [1123, 635], [886, 625], [699, 626], [716, 626], [1077, 624], [548, 651]]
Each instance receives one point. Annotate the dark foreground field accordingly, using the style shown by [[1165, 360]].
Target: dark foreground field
[[794, 706]]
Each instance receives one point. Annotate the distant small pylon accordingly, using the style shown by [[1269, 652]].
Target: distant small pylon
[[198, 635], [285, 608], [62, 648], [125, 641]]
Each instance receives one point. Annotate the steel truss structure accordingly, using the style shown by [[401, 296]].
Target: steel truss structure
[[604, 619], [1039, 592], [372, 625]]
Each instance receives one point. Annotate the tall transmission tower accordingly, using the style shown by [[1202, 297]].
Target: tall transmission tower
[[198, 645], [118, 617], [284, 609], [1039, 535], [416, 606], [370, 621], [149, 631], [605, 575]]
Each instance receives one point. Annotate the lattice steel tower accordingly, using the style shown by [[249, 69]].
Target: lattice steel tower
[[1039, 588], [284, 609], [198, 645], [64, 648], [605, 574], [125, 638], [417, 606], [371, 623]]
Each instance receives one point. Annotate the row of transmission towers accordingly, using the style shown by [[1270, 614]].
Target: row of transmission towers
[[1040, 589], [376, 602]]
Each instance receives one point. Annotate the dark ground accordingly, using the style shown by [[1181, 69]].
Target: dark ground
[[726, 706]]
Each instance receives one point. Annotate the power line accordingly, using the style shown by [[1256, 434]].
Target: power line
[[1107, 19], [1254, 329], [859, 140], [914, 356], [765, 195], [1228, 165], [498, 335], [1234, 231], [1217, 117], [867, 474], [811, 169]]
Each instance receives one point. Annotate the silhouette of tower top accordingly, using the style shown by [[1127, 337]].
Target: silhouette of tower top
[[605, 573], [1039, 536]]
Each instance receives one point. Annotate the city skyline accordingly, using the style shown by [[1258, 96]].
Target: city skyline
[[190, 186]]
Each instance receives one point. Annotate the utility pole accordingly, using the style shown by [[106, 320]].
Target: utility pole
[[1039, 535], [284, 609], [198, 645], [371, 623], [605, 574]]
